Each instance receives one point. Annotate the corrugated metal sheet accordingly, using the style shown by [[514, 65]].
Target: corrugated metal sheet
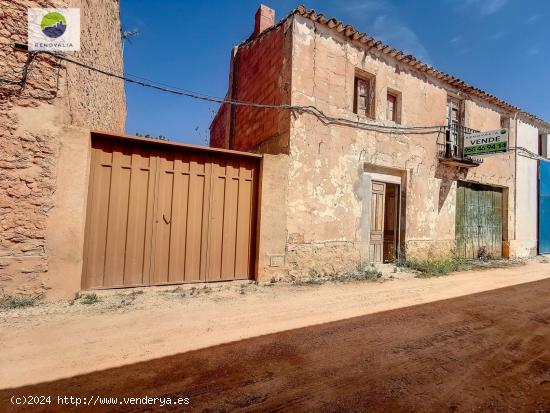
[[544, 207]]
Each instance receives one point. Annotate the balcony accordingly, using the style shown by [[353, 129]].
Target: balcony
[[450, 147]]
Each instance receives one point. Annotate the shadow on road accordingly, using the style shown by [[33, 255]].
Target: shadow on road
[[484, 352]]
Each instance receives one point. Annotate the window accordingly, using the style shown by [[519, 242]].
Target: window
[[454, 112], [544, 142], [455, 122], [393, 106], [363, 102], [504, 122]]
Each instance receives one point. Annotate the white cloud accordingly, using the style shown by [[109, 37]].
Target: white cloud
[[369, 6], [533, 51], [482, 7], [383, 23], [533, 18], [495, 36], [456, 39]]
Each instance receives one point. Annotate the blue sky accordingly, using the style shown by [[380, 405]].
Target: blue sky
[[500, 46]]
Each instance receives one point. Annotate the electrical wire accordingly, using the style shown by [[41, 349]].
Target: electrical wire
[[528, 154], [326, 119], [313, 110]]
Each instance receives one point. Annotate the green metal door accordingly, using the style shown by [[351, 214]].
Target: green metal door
[[478, 221]]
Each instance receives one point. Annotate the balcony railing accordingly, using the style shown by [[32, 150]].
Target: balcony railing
[[450, 146]]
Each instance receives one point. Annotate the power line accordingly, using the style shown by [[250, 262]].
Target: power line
[[325, 119], [528, 154]]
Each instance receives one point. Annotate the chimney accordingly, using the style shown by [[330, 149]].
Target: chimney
[[265, 18]]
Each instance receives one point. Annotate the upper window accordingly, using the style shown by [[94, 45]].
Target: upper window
[[544, 145], [504, 122], [455, 112], [363, 102], [393, 106]]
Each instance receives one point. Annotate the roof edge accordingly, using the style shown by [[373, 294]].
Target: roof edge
[[348, 31]]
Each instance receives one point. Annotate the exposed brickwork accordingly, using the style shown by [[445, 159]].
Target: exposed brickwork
[[31, 117], [261, 72], [219, 129], [264, 19]]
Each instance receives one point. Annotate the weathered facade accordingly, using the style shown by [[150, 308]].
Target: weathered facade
[[47, 107], [338, 182]]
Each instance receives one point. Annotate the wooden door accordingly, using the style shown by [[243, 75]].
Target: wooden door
[[164, 216], [391, 222], [376, 247], [119, 220]]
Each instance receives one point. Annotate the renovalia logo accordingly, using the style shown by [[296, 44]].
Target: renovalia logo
[[56, 29]]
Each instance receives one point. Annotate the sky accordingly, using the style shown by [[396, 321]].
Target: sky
[[500, 46]]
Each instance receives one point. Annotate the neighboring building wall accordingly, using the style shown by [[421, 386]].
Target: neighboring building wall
[[44, 145], [219, 129], [527, 195], [260, 73]]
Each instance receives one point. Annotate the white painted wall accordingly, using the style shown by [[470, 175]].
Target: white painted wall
[[527, 197]]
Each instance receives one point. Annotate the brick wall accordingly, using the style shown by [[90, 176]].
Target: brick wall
[[33, 120], [219, 129], [262, 75]]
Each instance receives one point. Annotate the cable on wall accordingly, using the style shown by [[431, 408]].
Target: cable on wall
[[324, 118]]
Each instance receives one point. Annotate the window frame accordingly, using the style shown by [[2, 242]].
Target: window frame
[[370, 109], [396, 95]]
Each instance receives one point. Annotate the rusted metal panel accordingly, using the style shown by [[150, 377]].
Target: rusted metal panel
[[478, 221], [161, 214]]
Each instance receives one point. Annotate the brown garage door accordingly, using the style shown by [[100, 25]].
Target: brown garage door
[[159, 214]]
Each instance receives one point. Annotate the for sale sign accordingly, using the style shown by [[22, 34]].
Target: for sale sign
[[486, 143]]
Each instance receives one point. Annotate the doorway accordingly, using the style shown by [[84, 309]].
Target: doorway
[[384, 225], [478, 221]]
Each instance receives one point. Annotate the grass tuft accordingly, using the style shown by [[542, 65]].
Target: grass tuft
[[90, 298], [436, 267], [370, 273], [11, 302]]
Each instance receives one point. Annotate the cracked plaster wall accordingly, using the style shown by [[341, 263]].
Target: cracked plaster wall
[[327, 163]]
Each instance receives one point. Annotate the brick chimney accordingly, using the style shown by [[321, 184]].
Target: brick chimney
[[265, 18]]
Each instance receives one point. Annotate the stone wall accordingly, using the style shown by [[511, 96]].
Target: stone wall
[[40, 121]]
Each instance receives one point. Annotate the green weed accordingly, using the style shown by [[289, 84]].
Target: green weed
[[10, 302]]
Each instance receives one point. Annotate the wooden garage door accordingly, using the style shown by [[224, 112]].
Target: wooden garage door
[[478, 221], [161, 215]]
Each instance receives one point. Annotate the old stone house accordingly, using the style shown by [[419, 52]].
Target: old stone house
[[47, 108], [365, 163]]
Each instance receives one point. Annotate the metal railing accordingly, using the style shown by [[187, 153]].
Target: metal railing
[[450, 143]]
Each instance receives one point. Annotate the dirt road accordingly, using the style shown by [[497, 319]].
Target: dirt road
[[484, 352], [488, 351]]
